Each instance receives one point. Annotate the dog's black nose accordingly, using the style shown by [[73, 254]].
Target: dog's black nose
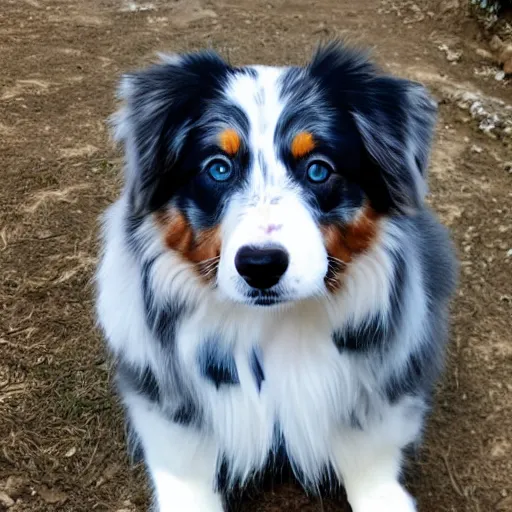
[[261, 267]]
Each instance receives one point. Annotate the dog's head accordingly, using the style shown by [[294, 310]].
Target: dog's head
[[268, 182]]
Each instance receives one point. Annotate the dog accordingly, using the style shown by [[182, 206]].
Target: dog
[[272, 284]]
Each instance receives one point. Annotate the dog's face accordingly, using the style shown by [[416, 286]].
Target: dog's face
[[269, 182]]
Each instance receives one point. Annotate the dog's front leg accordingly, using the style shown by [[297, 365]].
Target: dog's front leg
[[369, 460], [180, 459]]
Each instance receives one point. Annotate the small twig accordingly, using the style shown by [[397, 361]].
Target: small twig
[[17, 331], [36, 239], [455, 485], [3, 341], [91, 459]]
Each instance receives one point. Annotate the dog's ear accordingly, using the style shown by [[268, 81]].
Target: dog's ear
[[395, 119], [161, 104], [396, 123]]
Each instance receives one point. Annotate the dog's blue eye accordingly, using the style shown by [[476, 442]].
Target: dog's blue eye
[[220, 170], [318, 172]]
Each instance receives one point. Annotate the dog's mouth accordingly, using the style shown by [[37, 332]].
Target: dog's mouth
[[265, 297]]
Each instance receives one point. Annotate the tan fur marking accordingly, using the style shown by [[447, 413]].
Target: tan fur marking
[[198, 248], [344, 242], [302, 144], [230, 141]]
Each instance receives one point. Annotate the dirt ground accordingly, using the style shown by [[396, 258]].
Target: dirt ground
[[61, 434]]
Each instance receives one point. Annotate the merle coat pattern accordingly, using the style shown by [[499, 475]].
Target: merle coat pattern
[[271, 279]]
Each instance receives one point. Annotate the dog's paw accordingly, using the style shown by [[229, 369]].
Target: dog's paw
[[384, 498]]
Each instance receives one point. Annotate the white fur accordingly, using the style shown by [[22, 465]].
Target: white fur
[[180, 460]]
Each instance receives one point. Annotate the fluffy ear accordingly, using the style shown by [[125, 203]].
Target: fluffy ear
[[396, 123], [395, 119], [161, 104]]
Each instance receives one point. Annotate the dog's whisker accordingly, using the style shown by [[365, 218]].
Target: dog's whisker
[[336, 261], [209, 272], [208, 260], [205, 268]]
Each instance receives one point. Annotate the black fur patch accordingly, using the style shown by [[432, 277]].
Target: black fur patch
[[132, 225], [222, 479], [412, 379], [141, 381], [397, 288], [186, 414], [217, 366], [370, 334], [162, 320], [246, 71], [144, 383], [277, 464], [256, 369]]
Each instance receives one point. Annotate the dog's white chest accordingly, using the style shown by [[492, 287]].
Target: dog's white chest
[[263, 383]]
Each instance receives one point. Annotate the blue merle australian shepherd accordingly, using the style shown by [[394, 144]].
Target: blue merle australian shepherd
[[272, 284]]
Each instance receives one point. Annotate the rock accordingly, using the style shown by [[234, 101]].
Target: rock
[[127, 507], [321, 29], [134, 7], [485, 71], [500, 75], [467, 98], [70, 452], [496, 43], [507, 67], [449, 5], [5, 500], [16, 486], [484, 54], [451, 55]]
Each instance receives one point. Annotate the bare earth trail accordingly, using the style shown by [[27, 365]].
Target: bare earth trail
[[61, 437]]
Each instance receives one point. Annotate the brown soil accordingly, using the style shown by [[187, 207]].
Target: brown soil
[[60, 427]]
